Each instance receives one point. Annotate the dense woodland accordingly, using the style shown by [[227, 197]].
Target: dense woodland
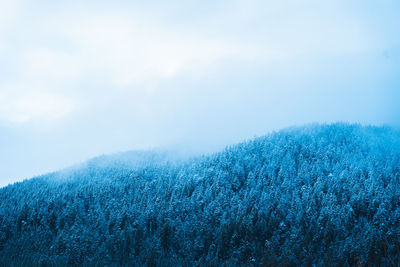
[[318, 195]]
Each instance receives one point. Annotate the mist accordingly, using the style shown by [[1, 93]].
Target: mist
[[81, 80]]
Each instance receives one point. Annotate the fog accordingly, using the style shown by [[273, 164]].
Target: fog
[[80, 80]]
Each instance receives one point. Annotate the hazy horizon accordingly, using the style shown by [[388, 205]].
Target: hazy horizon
[[78, 80]]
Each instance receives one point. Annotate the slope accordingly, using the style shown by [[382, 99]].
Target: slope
[[317, 194]]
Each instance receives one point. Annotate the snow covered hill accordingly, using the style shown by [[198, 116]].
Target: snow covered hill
[[317, 194]]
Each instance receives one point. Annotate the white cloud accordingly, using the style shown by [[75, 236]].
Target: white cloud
[[70, 53], [95, 48], [8, 12], [132, 51], [49, 64], [19, 105]]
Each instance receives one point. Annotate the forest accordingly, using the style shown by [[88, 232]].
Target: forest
[[313, 195]]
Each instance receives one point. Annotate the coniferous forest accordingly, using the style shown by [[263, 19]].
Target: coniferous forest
[[317, 195]]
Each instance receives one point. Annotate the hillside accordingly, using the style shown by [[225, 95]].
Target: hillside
[[318, 194]]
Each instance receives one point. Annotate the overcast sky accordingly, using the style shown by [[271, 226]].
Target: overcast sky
[[84, 78]]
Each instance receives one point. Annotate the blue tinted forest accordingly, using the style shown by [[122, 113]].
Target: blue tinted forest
[[318, 195]]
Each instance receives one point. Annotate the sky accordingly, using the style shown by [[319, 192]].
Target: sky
[[84, 78]]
